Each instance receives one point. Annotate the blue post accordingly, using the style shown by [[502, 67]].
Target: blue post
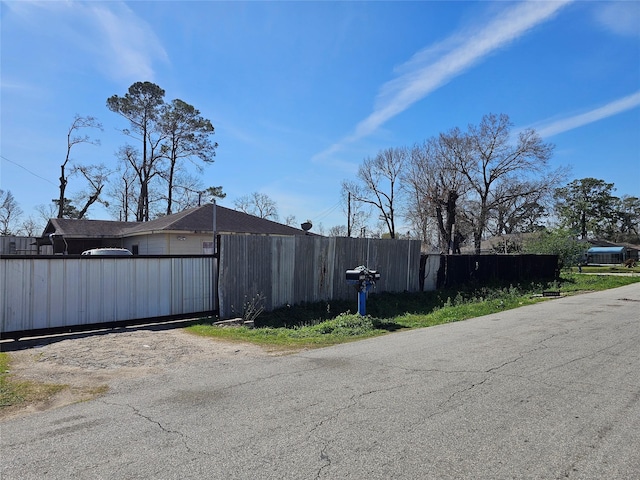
[[362, 300]]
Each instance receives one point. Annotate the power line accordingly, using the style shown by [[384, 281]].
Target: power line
[[24, 168], [328, 211]]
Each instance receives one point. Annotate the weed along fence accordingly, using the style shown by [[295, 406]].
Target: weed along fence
[[53, 292], [293, 270]]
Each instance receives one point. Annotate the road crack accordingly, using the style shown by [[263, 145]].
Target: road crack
[[183, 438], [324, 457]]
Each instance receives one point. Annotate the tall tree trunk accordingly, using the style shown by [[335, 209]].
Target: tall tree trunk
[[452, 197], [90, 201], [63, 185], [141, 202], [479, 228], [170, 192]]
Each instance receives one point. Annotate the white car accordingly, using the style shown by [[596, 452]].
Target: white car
[[118, 252]]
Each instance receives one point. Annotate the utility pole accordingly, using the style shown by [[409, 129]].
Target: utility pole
[[349, 214]]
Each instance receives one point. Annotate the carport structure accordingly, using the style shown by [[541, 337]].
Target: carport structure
[[606, 255]]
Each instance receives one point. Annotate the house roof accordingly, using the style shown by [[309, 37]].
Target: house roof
[[197, 219], [70, 227]]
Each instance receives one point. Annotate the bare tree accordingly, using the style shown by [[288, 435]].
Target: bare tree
[[258, 204], [419, 212], [290, 220], [186, 192], [10, 213], [338, 231], [74, 138], [121, 192], [418, 215], [46, 212], [95, 177], [356, 211], [434, 186], [144, 172], [494, 161], [30, 227], [521, 206], [379, 184]]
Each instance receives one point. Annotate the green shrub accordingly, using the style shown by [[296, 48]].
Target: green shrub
[[345, 324]]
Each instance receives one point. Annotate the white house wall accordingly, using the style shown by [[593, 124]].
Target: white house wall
[[168, 243]]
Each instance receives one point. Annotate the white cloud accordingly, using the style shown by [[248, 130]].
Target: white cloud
[[18, 86], [622, 18], [126, 43], [613, 108], [116, 41], [436, 65]]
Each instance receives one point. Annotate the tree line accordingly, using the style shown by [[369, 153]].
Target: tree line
[[152, 175], [462, 186], [151, 178], [454, 188]]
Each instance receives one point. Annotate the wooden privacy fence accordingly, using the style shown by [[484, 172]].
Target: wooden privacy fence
[[464, 269], [293, 270], [60, 291]]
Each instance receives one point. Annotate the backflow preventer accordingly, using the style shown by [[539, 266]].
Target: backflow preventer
[[362, 279]]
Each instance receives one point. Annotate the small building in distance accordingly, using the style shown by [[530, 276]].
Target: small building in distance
[[606, 255]]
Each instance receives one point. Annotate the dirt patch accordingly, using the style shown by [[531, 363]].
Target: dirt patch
[[89, 363]]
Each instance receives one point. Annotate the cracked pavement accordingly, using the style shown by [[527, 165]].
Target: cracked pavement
[[546, 391]]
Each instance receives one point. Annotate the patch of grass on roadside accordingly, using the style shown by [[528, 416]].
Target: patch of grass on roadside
[[343, 328], [607, 269], [575, 282], [461, 309], [328, 323], [15, 393]]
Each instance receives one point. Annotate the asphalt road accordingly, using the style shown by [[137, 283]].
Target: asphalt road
[[549, 391]]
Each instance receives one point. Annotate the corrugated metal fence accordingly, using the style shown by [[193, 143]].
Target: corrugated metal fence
[[292, 270], [39, 292], [54, 292]]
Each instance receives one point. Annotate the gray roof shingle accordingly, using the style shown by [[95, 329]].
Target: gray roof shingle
[[197, 219], [86, 228]]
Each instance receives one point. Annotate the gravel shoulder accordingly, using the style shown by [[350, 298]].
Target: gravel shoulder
[[90, 362]]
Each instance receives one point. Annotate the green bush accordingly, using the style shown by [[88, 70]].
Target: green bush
[[345, 324], [559, 242]]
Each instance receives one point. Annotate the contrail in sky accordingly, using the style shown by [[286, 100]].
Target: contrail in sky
[[610, 109], [424, 74]]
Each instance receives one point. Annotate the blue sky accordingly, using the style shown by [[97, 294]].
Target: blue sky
[[301, 92]]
